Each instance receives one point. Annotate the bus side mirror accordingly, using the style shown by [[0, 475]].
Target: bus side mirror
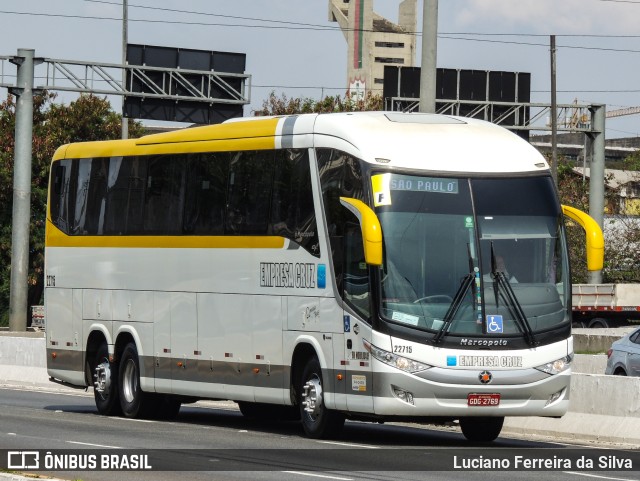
[[594, 237], [371, 230]]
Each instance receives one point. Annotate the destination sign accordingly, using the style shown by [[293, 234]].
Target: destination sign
[[423, 184]]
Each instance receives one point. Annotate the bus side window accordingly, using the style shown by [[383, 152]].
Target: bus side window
[[292, 212], [356, 273], [340, 175], [60, 211], [249, 193], [125, 195], [164, 197], [90, 198], [206, 180]]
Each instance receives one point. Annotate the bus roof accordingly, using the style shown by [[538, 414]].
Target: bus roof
[[415, 141]]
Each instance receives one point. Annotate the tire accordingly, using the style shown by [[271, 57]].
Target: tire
[[105, 382], [481, 429], [620, 372], [598, 323], [133, 402], [318, 422]]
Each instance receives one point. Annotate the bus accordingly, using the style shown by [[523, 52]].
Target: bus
[[372, 266]]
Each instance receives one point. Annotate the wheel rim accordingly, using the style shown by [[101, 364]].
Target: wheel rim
[[102, 379], [129, 381], [312, 397]]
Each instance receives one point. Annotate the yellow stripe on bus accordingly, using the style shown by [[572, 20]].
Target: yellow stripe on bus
[[235, 136], [56, 238], [233, 130]]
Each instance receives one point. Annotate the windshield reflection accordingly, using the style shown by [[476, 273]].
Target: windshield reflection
[[438, 274]]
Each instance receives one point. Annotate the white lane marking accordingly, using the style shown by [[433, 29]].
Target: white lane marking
[[43, 390], [325, 476], [350, 445], [599, 477], [135, 420], [94, 445]]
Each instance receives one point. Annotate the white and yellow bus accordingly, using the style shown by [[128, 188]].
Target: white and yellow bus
[[372, 266]]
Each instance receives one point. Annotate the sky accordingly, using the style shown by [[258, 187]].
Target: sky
[[598, 59]]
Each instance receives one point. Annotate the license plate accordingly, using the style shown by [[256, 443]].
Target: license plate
[[483, 400]]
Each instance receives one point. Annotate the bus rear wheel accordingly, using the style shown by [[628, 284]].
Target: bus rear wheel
[[318, 421], [105, 382], [133, 401], [481, 429]]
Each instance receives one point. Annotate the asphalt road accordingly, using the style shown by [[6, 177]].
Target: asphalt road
[[214, 439]]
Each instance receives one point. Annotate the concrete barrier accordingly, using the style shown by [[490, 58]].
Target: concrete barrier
[[596, 341], [589, 363], [603, 408], [23, 359]]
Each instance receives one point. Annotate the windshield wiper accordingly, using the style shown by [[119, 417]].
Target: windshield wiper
[[457, 300], [502, 286]]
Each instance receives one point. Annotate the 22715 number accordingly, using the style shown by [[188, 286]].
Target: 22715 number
[[402, 349]]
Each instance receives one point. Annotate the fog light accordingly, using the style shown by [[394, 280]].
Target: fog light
[[554, 397], [403, 395]]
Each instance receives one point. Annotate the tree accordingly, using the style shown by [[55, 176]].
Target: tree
[[284, 105], [85, 119], [574, 191], [632, 161]]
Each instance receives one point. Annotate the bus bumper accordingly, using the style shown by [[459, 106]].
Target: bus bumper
[[402, 394]]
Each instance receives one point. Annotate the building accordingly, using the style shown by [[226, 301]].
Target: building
[[572, 148], [373, 41], [626, 185]]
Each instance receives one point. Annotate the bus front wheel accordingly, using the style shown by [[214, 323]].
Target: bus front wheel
[[318, 421], [481, 429], [105, 382]]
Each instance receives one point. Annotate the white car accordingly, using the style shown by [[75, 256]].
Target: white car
[[623, 359]]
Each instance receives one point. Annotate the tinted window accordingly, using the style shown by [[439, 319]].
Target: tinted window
[[249, 192], [224, 193], [125, 196], [292, 211], [340, 176], [60, 194], [164, 196], [205, 196]]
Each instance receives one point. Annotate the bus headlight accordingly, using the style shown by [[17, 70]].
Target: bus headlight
[[399, 362], [557, 366]]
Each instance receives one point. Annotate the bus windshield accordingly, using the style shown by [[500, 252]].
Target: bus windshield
[[472, 256]]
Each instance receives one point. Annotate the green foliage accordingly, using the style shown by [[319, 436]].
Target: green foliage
[[284, 105], [574, 191], [632, 161], [87, 118]]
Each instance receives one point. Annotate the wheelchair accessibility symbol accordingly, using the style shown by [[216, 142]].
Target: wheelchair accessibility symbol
[[495, 325]]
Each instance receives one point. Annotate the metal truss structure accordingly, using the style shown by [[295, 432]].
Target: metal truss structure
[[156, 82], [511, 115]]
